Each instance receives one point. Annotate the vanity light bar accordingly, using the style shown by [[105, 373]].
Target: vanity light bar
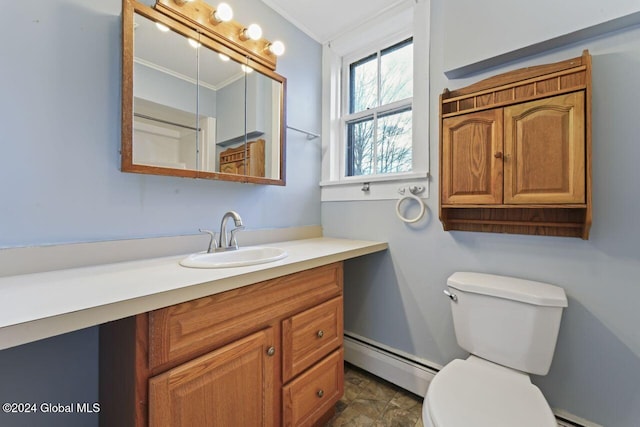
[[216, 23]]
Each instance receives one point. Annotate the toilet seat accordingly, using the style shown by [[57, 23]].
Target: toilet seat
[[478, 393]]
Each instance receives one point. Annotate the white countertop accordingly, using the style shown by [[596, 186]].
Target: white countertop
[[41, 305]]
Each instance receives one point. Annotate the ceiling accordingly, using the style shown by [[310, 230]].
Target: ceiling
[[320, 21]]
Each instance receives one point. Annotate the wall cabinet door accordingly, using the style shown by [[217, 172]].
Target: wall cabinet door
[[472, 158], [545, 151], [231, 386]]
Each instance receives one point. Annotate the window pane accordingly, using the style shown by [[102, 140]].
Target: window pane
[[394, 142], [360, 147], [363, 79], [396, 72]]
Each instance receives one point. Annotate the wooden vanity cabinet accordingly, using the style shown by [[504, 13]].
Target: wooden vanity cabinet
[[515, 152], [267, 354]]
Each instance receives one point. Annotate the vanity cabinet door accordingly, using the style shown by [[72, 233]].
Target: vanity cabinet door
[[231, 386], [545, 151], [472, 158]]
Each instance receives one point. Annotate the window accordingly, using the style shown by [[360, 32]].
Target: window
[[375, 106], [378, 101]]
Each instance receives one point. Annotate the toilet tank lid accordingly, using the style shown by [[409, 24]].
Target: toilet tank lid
[[528, 291]]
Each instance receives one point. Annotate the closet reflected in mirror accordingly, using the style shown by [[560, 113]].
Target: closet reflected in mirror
[[195, 108]]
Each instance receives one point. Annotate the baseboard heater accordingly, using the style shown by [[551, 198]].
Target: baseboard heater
[[390, 364], [411, 373]]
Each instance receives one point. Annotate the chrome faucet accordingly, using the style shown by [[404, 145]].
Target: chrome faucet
[[231, 244], [213, 244]]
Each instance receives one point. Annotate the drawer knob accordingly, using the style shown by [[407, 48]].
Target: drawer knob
[[320, 393], [498, 155], [271, 351], [320, 333]]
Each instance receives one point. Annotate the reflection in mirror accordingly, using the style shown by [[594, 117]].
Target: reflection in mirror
[[196, 107], [248, 133], [164, 97], [221, 100]]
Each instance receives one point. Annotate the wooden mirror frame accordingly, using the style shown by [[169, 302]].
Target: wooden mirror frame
[[251, 53]]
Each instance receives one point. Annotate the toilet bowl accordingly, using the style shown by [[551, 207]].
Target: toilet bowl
[[510, 328], [478, 393]]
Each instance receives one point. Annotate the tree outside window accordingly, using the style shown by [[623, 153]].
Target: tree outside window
[[379, 123]]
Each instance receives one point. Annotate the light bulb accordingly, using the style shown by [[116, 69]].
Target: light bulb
[[162, 27], [194, 44], [246, 68], [253, 32], [223, 13], [277, 48], [223, 57]]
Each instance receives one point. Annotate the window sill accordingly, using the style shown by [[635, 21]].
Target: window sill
[[379, 187]]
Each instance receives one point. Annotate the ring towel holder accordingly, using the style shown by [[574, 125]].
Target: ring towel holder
[[410, 193]]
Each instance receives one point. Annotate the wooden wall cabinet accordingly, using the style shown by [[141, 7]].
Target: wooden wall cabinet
[[515, 152], [267, 354]]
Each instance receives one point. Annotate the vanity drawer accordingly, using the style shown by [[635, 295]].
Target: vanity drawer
[[310, 335], [187, 330], [311, 395]]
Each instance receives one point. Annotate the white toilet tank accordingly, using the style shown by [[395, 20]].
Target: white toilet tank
[[508, 321]]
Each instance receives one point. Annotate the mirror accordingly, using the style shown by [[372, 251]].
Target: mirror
[[193, 107]]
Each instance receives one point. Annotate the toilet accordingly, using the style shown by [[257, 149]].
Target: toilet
[[510, 327]]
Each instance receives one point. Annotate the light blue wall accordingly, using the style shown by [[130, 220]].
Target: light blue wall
[[59, 370], [59, 167], [396, 298]]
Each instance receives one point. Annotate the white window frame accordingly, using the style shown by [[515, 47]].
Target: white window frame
[[379, 33], [346, 117]]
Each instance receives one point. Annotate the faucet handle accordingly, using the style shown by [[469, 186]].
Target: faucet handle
[[213, 244], [233, 242]]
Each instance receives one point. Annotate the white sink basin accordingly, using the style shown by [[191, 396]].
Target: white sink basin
[[249, 255]]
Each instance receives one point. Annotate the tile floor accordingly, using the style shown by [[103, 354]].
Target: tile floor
[[371, 401]]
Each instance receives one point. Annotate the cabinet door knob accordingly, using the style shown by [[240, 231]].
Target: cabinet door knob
[[271, 351], [320, 333], [320, 393], [498, 155]]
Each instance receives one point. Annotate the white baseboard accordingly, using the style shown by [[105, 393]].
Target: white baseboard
[[395, 367], [412, 373]]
